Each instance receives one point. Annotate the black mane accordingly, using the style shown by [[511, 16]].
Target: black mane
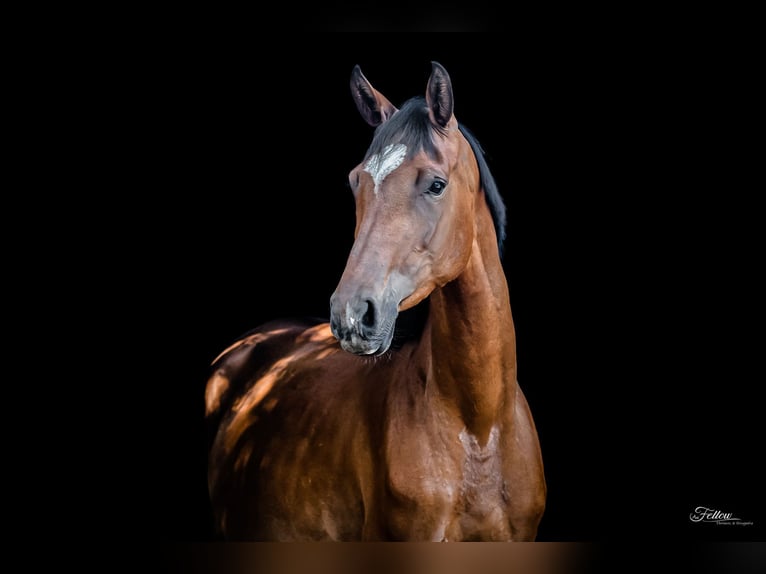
[[491, 193], [412, 127]]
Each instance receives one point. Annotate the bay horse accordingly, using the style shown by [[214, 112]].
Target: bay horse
[[338, 431]]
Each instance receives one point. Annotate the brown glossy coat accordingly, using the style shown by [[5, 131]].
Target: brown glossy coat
[[432, 441]]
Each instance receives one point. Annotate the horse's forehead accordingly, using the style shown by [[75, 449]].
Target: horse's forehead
[[380, 165]]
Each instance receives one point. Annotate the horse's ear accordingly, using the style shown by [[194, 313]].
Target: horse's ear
[[439, 95], [374, 106]]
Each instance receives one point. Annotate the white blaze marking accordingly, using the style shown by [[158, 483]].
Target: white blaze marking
[[380, 165]]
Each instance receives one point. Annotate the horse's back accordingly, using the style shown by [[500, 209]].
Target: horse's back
[[273, 400], [246, 358]]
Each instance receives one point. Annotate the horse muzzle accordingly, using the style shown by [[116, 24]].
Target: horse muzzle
[[363, 325]]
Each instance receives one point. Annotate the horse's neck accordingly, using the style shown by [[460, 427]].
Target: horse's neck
[[472, 338]]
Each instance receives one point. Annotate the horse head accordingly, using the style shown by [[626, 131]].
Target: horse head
[[415, 192]]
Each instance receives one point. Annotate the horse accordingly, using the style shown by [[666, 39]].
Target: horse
[[343, 430]]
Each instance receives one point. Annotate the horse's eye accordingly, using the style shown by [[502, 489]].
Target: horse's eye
[[437, 187]]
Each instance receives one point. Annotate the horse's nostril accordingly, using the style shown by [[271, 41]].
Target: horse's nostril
[[368, 319]]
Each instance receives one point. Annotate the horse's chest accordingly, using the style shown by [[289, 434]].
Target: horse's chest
[[457, 497], [480, 512], [481, 476]]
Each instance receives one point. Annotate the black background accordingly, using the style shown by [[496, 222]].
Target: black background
[[630, 255]]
